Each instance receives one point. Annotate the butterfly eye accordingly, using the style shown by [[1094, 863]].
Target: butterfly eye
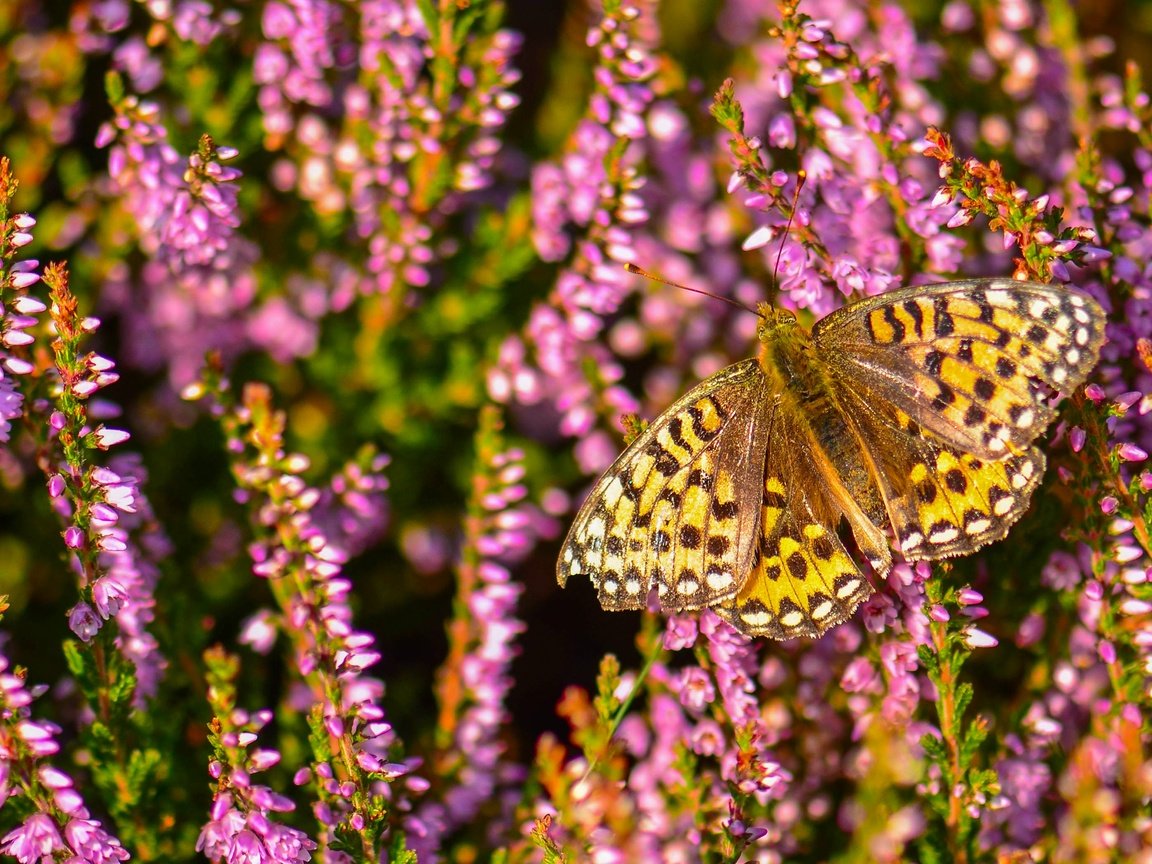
[[772, 320]]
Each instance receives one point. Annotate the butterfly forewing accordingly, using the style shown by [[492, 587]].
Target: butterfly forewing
[[672, 510], [964, 359]]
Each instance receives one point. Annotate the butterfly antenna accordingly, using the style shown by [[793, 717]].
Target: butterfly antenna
[[801, 178], [639, 271]]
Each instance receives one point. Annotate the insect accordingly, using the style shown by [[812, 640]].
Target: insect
[[915, 409]]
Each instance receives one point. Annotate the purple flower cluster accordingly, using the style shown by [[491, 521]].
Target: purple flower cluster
[[865, 189], [476, 679], [390, 189], [592, 192], [243, 829], [133, 546], [119, 582], [353, 511], [303, 569], [18, 311], [193, 292], [60, 824]]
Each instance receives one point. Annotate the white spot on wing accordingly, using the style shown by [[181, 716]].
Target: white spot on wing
[[912, 542], [792, 618], [719, 581], [687, 586], [848, 588], [756, 619], [944, 535]]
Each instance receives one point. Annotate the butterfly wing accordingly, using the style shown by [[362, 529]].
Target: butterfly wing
[[941, 502], [676, 509], [803, 579], [966, 360]]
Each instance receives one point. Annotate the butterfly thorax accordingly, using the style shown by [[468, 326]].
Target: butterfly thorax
[[800, 377], [787, 358]]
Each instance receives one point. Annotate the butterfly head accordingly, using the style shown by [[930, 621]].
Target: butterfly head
[[773, 322]]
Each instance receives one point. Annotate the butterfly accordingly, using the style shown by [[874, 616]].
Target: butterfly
[[917, 409]]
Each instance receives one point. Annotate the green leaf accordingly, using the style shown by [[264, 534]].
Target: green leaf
[[114, 87], [975, 735], [963, 699], [934, 748], [929, 660], [726, 109]]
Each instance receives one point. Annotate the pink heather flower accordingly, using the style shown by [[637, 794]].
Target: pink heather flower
[[760, 237], [73, 537], [859, 676], [1062, 572], [1031, 630], [11, 406], [83, 621], [1076, 438], [708, 738], [1129, 452], [259, 631], [106, 438], [974, 637], [680, 633], [109, 596], [970, 597], [36, 840], [88, 839], [695, 689]]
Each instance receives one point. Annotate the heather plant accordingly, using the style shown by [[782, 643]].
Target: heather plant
[[315, 328]]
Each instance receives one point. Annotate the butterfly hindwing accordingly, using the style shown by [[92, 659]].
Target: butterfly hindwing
[[673, 510], [941, 502], [803, 579]]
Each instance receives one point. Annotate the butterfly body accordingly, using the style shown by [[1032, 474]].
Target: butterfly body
[[915, 409]]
